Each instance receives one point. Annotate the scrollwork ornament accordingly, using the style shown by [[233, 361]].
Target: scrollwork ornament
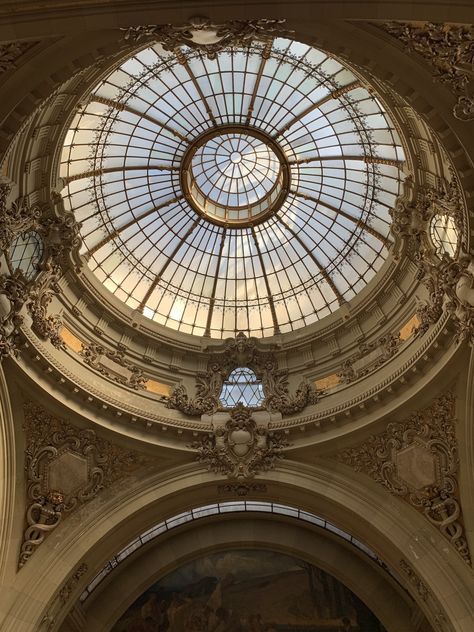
[[243, 351], [418, 460], [133, 376], [65, 467], [449, 48], [13, 288], [204, 35], [240, 449]]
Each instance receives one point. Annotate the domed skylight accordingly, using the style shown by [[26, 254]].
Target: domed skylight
[[250, 192]]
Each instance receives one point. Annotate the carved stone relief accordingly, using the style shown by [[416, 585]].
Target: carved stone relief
[[206, 36], [243, 352], [59, 233], [370, 357], [449, 48], [242, 489], [65, 467], [11, 52], [113, 365], [425, 594], [49, 620], [448, 279], [417, 460], [239, 447]]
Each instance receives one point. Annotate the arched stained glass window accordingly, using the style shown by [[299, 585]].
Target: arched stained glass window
[[242, 386]]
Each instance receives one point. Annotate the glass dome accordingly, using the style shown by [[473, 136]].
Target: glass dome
[[250, 192]]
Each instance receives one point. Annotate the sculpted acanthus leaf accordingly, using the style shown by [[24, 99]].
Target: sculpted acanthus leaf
[[418, 460], [240, 448], [207, 36]]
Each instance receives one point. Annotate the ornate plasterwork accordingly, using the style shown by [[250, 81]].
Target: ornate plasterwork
[[59, 233], [240, 448], [448, 280], [50, 618], [242, 489], [207, 36], [417, 460], [65, 467], [11, 52], [384, 348], [243, 352], [121, 370], [449, 48]]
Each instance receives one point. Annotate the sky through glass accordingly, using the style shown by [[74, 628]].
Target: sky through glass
[[248, 193]]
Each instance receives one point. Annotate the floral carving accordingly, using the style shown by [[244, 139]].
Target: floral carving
[[242, 489], [387, 346], [206, 36], [420, 586], [14, 288], [126, 374], [417, 460], [449, 49], [240, 449], [243, 351], [66, 467], [16, 219]]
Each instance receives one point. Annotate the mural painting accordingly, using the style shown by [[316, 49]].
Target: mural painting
[[248, 591]]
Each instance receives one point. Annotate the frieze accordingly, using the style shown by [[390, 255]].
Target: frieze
[[385, 348], [204, 35], [417, 460], [121, 371], [243, 352], [65, 467], [240, 448], [449, 49]]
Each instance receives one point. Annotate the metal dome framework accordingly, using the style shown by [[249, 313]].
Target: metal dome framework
[[310, 223]]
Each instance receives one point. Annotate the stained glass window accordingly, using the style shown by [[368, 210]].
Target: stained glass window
[[243, 387], [250, 192]]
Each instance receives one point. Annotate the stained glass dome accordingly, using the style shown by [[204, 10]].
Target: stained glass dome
[[249, 192]]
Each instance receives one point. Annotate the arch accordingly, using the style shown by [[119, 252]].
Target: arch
[[357, 506]]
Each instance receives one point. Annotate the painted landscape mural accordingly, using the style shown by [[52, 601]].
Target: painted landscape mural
[[248, 591]]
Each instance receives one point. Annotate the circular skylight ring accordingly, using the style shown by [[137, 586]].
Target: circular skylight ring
[[235, 176]]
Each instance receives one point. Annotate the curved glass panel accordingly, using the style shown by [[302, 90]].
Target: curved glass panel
[[263, 229]]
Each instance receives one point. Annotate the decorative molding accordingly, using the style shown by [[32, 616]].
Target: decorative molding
[[50, 618], [420, 586], [16, 219], [65, 467], [59, 233], [204, 35], [11, 52], [121, 371], [242, 489], [239, 448], [423, 591], [418, 460], [449, 49], [243, 352], [384, 348]]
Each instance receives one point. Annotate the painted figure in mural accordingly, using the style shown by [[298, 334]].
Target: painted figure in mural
[[248, 591]]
